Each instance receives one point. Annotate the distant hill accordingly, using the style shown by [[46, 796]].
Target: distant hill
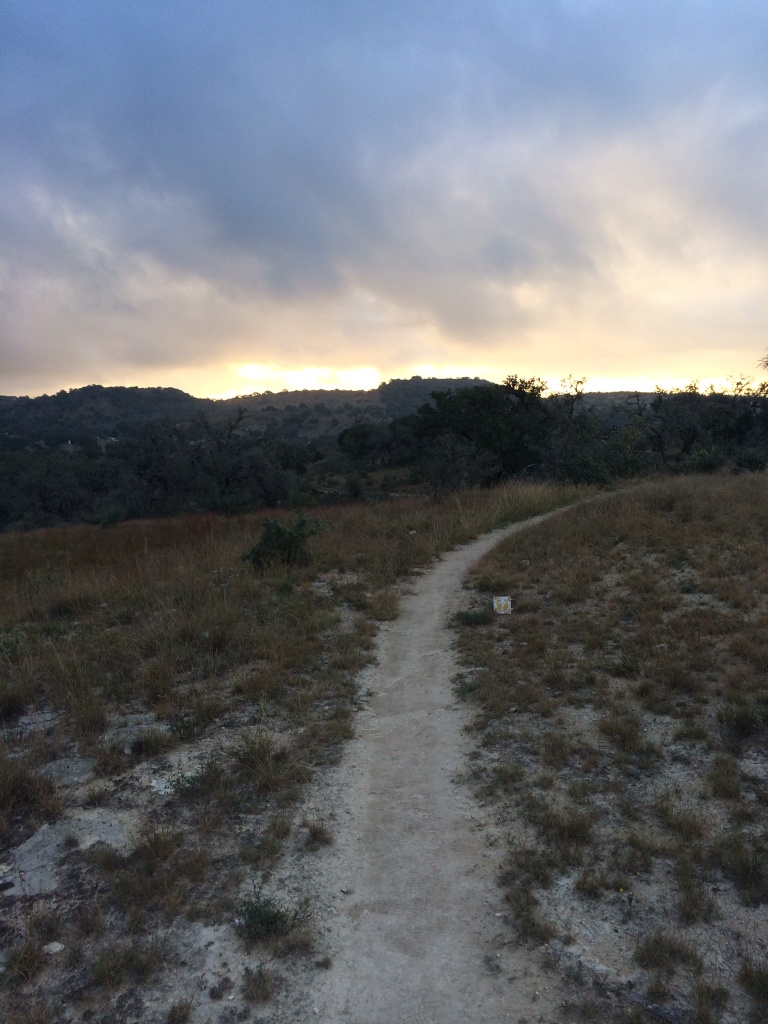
[[102, 454], [94, 411]]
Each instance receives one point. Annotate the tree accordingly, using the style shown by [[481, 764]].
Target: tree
[[451, 463], [505, 421]]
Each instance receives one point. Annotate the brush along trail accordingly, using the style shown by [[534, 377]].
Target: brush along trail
[[406, 899]]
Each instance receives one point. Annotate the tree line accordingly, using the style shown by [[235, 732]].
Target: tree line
[[165, 469], [474, 435], [493, 432]]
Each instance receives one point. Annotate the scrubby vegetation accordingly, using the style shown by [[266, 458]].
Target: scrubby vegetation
[[169, 686], [104, 455], [622, 712], [163, 708], [491, 432], [283, 543]]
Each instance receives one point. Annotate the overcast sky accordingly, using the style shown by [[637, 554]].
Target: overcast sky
[[234, 195]]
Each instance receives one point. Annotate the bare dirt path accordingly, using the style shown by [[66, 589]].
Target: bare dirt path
[[408, 905]]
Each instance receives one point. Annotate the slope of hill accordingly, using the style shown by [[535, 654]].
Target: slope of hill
[[96, 411], [98, 454]]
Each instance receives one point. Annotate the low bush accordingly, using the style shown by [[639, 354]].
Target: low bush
[[283, 543], [261, 919]]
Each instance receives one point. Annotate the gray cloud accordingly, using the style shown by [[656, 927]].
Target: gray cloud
[[180, 176]]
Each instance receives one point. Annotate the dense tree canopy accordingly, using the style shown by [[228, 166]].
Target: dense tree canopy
[[164, 470], [223, 458]]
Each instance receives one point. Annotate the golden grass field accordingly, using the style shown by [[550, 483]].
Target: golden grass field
[[622, 729]]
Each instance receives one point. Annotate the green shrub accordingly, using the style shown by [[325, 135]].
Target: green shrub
[[475, 617], [754, 977], [743, 860], [584, 468], [260, 919], [22, 963], [283, 543], [703, 461], [741, 720], [752, 460]]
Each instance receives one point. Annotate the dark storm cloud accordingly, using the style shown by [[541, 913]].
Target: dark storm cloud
[[170, 166]]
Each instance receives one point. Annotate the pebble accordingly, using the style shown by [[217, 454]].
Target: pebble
[[53, 948]]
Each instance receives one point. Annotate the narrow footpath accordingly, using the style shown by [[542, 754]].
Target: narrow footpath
[[412, 915]]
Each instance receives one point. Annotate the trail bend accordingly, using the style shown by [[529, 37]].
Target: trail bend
[[407, 896]]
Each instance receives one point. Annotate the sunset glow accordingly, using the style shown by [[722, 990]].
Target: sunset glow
[[372, 191]]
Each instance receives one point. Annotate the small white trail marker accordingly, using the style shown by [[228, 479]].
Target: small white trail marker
[[502, 605]]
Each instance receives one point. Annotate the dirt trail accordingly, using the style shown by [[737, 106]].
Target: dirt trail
[[407, 897]]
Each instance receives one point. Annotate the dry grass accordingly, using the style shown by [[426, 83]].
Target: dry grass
[[154, 649], [318, 834], [126, 961], [622, 710], [23, 963], [26, 797], [259, 985]]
